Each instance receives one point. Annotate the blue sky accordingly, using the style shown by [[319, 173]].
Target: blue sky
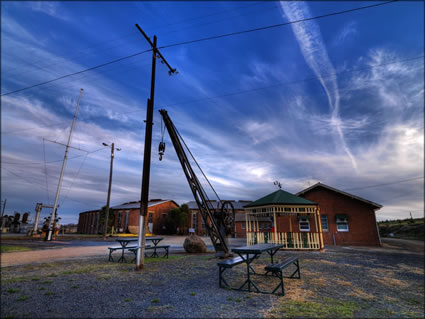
[[337, 100]]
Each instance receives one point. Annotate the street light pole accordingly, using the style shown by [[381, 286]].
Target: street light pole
[[109, 189]]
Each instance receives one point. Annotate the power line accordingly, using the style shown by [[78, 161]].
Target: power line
[[45, 172], [200, 40], [23, 178], [294, 82], [283, 83], [34, 128], [276, 25], [127, 35], [40, 163], [79, 72], [76, 176], [385, 184]]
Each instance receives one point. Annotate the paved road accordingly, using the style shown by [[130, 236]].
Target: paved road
[[404, 244], [69, 249]]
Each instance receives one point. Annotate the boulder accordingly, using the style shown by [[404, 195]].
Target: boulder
[[194, 244]]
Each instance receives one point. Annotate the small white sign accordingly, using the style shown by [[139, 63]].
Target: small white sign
[[191, 230]]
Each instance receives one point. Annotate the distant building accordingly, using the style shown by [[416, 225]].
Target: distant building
[[126, 217], [70, 228], [346, 219], [196, 221]]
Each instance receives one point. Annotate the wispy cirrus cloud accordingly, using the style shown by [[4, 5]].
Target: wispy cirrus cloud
[[348, 31], [310, 40], [51, 8]]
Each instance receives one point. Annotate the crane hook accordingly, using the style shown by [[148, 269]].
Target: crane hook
[[161, 149]]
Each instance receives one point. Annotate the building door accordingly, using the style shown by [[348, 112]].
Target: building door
[[119, 226], [126, 220], [195, 222], [150, 222]]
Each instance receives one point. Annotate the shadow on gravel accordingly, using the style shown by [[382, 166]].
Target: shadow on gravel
[[336, 283]]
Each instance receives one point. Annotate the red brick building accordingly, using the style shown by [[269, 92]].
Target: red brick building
[[346, 219], [196, 222], [126, 217]]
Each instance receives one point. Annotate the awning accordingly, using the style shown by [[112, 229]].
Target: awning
[[341, 216]]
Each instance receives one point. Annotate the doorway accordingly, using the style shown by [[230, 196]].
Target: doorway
[[150, 222]]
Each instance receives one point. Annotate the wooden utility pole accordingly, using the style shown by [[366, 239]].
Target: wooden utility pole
[[2, 214], [109, 189], [140, 257]]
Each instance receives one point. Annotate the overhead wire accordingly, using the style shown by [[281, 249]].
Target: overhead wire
[[75, 177], [283, 83], [385, 184], [127, 35], [275, 25], [55, 161], [79, 72], [201, 40], [196, 162], [45, 172]]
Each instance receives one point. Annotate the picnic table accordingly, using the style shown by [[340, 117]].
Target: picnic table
[[124, 242], [248, 254]]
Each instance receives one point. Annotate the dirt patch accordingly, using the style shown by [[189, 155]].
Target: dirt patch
[[336, 283], [357, 292]]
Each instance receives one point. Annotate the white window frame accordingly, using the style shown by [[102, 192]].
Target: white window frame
[[327, 222], [342, 221], [304, 220]]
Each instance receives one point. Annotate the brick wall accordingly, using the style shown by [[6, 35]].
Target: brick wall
[[157, 212], [88, 223], [361, 218]]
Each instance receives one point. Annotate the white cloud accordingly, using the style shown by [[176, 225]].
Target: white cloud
[[51, 8], [314, 51], [348, 31]]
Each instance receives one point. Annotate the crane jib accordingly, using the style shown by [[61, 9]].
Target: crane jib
[[214, 223]]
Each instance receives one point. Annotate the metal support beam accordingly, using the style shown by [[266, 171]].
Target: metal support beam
[[52, 217]]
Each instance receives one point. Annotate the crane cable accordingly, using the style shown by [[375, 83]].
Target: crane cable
[[208, 200], [161, 146]]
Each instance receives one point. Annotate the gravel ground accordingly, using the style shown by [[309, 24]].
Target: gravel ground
[[340, 282]]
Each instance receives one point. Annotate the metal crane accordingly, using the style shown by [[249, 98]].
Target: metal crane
[[219, 223]]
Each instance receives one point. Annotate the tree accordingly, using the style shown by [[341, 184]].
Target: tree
[[111, 220], [177, 220]]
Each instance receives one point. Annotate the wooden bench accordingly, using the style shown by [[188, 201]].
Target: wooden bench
[[154, 254], [230, 263], [277, 270], [112, 249]]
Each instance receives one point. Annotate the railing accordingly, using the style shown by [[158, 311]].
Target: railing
[[304, 240]]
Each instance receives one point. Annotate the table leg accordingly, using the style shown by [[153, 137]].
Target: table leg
[[248, 262], [272, 253]]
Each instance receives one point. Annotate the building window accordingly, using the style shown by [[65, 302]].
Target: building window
[[243, 225], [150, 217], [127, 213], [119, 222], [341, 223], [195, 221], [324, 220], [304, 224]]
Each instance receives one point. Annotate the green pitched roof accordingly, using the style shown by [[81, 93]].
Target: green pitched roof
[[280, 197]]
